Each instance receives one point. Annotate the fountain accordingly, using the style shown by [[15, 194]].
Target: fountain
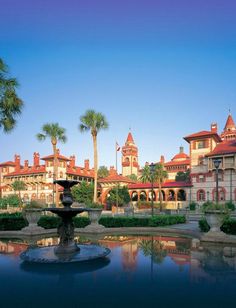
[[67, 250]]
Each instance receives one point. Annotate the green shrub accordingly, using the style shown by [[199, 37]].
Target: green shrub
[[192, 206], [81, 222], [230, 205], [49, 222], [17, 222], [203, 225], [166, 220], [229, 226], [11, 200], [12, 222]]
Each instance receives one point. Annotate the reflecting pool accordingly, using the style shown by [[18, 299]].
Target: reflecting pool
[[141, 271]]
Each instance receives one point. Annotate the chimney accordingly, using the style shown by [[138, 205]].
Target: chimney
[[72, 161], [17, 162], [112, 171], [214, 128], [58, 151], [26, 164], [36, 159], [86, 164], [181, 150], [162, 159]]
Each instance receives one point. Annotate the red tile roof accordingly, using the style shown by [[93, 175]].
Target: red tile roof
[[165, 185], [203, 133], [229, 123], [31, 170], [130, 138], [59, 156], [116, 178], [180, 156], [8, 163], [227, 147], [177, 163], [80, 172]]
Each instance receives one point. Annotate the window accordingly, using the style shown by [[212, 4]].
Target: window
[[201, 144], [201, 195], [201, 178]]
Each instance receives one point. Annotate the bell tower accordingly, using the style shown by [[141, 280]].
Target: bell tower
[[130, 157]]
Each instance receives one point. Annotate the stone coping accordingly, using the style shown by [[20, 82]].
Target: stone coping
[[106, 231]]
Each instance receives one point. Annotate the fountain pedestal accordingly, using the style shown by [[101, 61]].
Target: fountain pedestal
[[67, 251]]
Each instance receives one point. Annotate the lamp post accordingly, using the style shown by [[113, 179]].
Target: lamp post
[[217, 163], [152, 169]]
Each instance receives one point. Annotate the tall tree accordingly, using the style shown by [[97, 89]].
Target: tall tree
[[83, 193], [10, 104], [18, 186], [123, 195], [160, 176], [94, 122], [55, 133], [103, 172], [146, 174], [183, 176]]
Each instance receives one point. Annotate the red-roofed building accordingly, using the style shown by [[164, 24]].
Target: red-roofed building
[[204, 148], [39, 177], [130, 163], [179, 163]]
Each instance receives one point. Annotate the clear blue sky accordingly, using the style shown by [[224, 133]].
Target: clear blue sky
[[164, 68]]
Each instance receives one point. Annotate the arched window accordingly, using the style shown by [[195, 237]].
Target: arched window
[[201, 196]]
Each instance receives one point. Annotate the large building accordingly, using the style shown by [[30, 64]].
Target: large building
[[204, 148], [38, 177]]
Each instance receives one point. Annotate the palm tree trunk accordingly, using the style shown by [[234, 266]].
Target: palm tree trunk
[[160, 195], [55, 169], [95, 156]]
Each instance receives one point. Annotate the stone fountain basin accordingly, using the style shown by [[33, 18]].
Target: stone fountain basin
[[48, 255]]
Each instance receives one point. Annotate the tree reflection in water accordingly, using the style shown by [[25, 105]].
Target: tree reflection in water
[[154, 249]]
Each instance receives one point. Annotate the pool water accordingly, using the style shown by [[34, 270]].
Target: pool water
[[141, 271]]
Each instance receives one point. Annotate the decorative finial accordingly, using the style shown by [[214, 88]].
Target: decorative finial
[[229, 111]]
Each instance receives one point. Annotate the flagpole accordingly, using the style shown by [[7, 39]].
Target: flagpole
[[116, 185]]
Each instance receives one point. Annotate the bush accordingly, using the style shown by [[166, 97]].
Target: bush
[[11, 200], [16, 221], [49, 222], [229, 226], [230, 205], [203, 225], [12, 222], [156, 221], [166, 220], [192, 206]]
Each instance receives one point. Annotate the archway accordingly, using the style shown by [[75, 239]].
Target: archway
[[150, 196], [181, 196], [134, 196], [143, 196], [171, 195]]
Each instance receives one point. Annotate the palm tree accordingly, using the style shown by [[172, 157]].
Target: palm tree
[[146, 174], [18, 186], [10, 104], [94, 122], [160, 176], [55, 133]]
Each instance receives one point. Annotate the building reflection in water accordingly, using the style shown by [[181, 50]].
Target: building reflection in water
[[207, 263]]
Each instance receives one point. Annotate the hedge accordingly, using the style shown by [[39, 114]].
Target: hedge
[[17, 222], [229, 226]]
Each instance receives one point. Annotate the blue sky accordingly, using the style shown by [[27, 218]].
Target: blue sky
[[164, 68]]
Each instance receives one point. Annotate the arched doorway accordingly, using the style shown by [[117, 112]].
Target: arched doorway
[[143, 196], [134, 196], [181, 196], [150, 196], [171, 195]]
